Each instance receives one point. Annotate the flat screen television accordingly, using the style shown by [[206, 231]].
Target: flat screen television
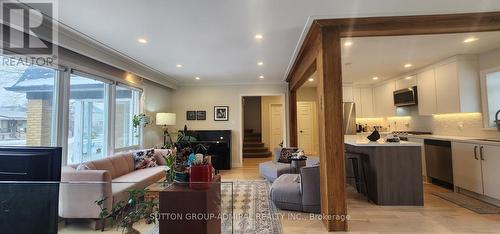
[[29, 189]]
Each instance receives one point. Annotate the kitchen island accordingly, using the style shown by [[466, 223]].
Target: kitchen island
[[393, 170]]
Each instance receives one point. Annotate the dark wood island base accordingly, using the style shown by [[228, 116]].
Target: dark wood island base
[[393, 174]]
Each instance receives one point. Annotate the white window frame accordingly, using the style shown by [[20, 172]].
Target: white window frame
[[484, 98], [140, 108], [108, 104]]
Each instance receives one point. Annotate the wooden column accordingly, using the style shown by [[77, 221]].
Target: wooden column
[[292, 102], [331, 140]]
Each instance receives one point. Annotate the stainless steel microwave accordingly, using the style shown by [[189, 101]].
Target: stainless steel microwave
[[406, 97]]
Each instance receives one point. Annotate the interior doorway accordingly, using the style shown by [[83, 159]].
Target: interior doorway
[[263, 125]]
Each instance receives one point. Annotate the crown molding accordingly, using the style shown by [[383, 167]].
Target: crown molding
[[78, 42]]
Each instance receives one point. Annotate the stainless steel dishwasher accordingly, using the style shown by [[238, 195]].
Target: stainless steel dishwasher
[[438, 162]]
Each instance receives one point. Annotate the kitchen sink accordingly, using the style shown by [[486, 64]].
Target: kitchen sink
[[493, 140]]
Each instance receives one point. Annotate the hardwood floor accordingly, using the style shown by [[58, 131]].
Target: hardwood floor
[[436, 216]]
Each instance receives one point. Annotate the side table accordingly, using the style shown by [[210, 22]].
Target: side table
[[296, 164]]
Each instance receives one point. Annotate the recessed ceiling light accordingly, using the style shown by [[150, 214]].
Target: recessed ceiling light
[[408, 78], [259, 37], [142, 40], [374, 78], [197, 78], [408, 65], [311, 79], [470, 39], [261, 77], [178, 65], [260, 63], [348, 43]]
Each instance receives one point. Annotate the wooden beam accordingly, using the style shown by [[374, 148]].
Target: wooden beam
[[292, 100], [331, 140], [415, 24], [305, 58]]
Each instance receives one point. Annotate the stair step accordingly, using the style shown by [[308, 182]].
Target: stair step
[[254, 149], [248, 130], [258, 155], [253, 134], [252, 144]]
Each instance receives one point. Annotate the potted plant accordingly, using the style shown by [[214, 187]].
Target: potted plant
[[126, 213], [139, 120]]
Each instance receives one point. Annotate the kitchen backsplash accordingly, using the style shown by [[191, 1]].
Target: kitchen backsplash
[[464, 124]]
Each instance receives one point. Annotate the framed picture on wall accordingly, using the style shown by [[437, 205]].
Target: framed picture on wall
[[201, 115], [191, 115], [221, 113]]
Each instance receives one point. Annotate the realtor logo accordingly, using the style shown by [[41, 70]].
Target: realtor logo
[[28, 31]]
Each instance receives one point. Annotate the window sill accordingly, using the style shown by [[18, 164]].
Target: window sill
[[128, 148]]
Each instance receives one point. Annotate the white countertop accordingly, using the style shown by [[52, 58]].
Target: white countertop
[[472, 140], [361, 140]]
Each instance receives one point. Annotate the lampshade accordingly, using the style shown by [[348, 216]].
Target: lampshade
[[165, 119]]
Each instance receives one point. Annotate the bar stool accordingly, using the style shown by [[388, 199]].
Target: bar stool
[[359, 178]]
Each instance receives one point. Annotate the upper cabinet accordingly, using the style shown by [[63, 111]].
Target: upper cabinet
[[426, 90], [451, 86], [384, 99], [347, 94], [457, 86], [363, 100], [406, 82]]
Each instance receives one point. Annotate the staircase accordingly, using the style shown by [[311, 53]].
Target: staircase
[[253, 146]]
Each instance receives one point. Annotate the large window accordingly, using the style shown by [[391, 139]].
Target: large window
[[491, 90], [88, 119], [27, 105], [127, 105]]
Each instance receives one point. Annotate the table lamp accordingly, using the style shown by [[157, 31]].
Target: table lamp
[[166, 119]]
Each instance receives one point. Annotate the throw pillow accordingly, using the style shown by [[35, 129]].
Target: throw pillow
[[144, 159], [286, 153]]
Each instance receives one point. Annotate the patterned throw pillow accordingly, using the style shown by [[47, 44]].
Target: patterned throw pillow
[[144, 159], [286, 153]]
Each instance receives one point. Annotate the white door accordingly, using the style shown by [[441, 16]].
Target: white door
[[467, 167], [491, 167], [276, 125], [305, 118]]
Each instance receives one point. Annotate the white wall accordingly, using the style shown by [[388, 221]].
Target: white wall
[[206, 97], [489, 59], [157, 98]]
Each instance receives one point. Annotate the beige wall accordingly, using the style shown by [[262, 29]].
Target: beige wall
[[157, 98], [309, 94], [489, 59], [206, 97], [266, 102]]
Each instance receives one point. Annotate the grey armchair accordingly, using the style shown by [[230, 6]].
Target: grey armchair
[[299, 192]]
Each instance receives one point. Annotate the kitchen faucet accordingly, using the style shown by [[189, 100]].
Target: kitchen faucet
[[497, 122]]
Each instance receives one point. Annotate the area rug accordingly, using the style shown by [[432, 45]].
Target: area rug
[[247, 209], [470, 203], [253, 211]]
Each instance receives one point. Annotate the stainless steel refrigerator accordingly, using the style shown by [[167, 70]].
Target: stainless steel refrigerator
[[349, 110]]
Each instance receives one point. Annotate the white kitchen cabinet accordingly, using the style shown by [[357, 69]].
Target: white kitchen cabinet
[[363, 99], [406, 82], [491, 167], [384, 99], [347, 94], [426, 84], [367, 102], [467, 171], [457, 86]]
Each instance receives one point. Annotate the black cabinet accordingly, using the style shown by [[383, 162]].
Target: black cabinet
[[217, 143]]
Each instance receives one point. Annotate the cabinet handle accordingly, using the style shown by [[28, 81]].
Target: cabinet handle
[[481, 153], [475, 152]]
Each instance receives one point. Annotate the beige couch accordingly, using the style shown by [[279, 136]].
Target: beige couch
[[110, 178]]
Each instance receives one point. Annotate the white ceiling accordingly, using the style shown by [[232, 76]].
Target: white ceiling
[[215, 39], [385, 57]]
